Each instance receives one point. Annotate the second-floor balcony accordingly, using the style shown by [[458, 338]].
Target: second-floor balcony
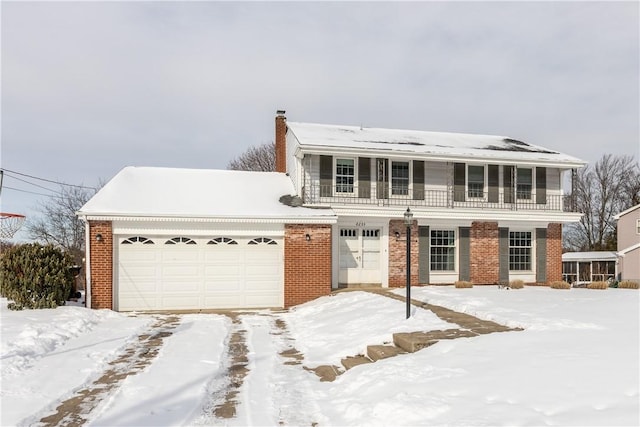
[[344, 195]]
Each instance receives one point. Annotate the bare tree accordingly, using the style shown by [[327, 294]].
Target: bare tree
[[59, 224], [600, 192], [258, 158]]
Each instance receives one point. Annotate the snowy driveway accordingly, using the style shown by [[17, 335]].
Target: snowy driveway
[[73, 366]]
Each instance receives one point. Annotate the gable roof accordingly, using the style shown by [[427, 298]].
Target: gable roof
[[437, 145], [623, 213], [198, 193]]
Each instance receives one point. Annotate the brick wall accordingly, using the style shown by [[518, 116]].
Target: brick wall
[[398, 253], [101, 254], [484, 253], [554, 252], [281, 143], [307, 264]]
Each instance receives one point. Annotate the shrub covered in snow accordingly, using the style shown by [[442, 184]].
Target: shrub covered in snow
[[35, 276]]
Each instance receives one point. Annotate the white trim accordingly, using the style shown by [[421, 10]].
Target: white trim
[[411, 155], [87, 266], [631, 248], [329, 219], [623, 213]]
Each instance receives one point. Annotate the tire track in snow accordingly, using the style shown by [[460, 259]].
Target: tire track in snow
[[135, 357]]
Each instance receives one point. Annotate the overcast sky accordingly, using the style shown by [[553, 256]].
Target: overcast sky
[[89, 88]]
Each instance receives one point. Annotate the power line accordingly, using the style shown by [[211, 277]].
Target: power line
[[26, 191], [49, 180], [30, 183]]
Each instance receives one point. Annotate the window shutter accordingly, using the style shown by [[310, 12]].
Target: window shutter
[[326, 176], [494, 183], [364, 177], [541, 185], [459, 182], [509, 188], [424, 257], [503, 255], [418, 180], [541, 255], [465, 254]]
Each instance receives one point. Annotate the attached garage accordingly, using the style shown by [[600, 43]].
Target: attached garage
[[183, 239], [184, 273]]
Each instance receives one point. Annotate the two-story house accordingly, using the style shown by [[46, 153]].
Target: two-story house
[[629, 244], [486, 209]]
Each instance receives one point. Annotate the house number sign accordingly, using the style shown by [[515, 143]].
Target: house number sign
[[361, 224]]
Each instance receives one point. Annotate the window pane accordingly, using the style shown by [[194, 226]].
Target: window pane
[[400, 178], [475, 182], [345, 172], [520, 250], [524, 184], [443, 250]]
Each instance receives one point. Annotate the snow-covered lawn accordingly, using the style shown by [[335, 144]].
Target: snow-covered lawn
[[576, 363]]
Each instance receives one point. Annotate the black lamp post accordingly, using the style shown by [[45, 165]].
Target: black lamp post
[[408, 221]]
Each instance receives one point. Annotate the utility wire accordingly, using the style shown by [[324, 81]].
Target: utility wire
[[6, 187], [30, 183], [48, 180]]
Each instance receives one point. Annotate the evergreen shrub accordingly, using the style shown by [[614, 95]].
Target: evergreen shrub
[[35, 276]]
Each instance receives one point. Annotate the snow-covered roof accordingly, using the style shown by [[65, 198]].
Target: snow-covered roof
[[623, 213], [440, 145], [197, 193], [590, 256]]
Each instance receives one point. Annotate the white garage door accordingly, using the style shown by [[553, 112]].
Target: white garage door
[[183, 273]]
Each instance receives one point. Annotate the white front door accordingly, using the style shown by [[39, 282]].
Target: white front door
[[359, 255]]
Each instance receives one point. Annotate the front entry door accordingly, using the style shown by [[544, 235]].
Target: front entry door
[[359, 256]]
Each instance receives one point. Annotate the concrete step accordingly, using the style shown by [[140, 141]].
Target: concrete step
[[412, 341], [353, 361], [378, 352]]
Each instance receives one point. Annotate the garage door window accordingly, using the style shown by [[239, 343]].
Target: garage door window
[[222, 241], [177, 240], [262, 241], [137, 239]]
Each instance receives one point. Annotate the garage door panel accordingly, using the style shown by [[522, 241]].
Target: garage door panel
[[180, 286], [263, 300], [180, 270], [132, 302], [179, 302]]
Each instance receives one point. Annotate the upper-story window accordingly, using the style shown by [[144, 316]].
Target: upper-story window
[[345, 175], [399, 178], [637, 226], [475, 182], [525, 184]]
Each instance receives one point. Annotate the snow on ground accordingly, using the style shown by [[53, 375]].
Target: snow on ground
[[576, 363]]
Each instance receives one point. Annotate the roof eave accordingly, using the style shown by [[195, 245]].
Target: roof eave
[[409, 154]]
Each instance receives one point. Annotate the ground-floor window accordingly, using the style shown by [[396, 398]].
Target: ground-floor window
[[520, 250], [443, 250]]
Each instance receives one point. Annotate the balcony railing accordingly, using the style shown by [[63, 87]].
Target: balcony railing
[[350, 195]]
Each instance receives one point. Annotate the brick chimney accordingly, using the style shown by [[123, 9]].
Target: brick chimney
[[281, 142]]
